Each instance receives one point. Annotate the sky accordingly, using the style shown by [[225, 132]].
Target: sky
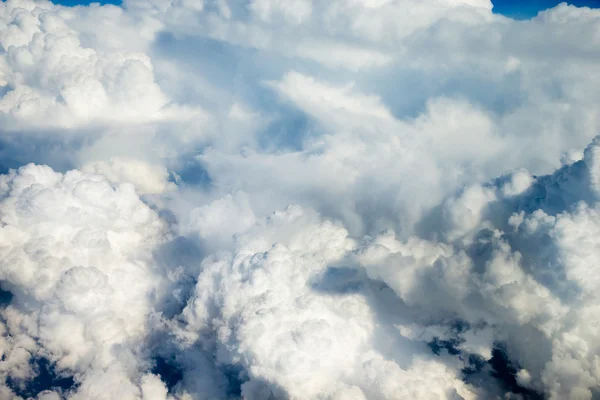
[[299, 199], [527, 9], [511, 8]]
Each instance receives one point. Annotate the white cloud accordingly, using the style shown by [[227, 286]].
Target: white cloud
[[340, 200], [76, 254], [146, 177], [522, 276], [292, 340], [55, 81]]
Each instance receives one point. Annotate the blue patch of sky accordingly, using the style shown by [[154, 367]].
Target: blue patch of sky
[[525, 9]]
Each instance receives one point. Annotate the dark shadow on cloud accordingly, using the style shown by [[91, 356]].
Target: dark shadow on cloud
[[499, 368], [239, 72], [388, 310], [450, 345], [5, 298], [499, 373], [339, 281], [180, 368], [234, 74], [178, 257], [290, 129], [169, 372], [553, 194], [4, 89], [505, 371], [540, 259], [405, 91], [47, 378], [236, 376], [260, 388], [190, 171], [227, 71], [54, 147]]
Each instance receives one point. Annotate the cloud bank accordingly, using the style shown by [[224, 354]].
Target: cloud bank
[[268, 199]]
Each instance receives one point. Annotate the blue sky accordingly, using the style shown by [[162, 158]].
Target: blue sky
[[513, 8], [528, 8]]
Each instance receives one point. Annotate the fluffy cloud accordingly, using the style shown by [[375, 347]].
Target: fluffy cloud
[[53, 80], [74, 90], [295, 341], [531, 269], [76, 255], [298, 199]]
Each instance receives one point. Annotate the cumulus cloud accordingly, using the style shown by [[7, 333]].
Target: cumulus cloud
[[53, 80], [513, 256], [78, 90], [298, 199], [76, 255]]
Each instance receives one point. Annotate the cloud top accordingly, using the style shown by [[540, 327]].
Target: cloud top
[[298, 199]]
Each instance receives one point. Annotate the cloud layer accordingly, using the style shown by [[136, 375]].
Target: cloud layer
[[270, 199]]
